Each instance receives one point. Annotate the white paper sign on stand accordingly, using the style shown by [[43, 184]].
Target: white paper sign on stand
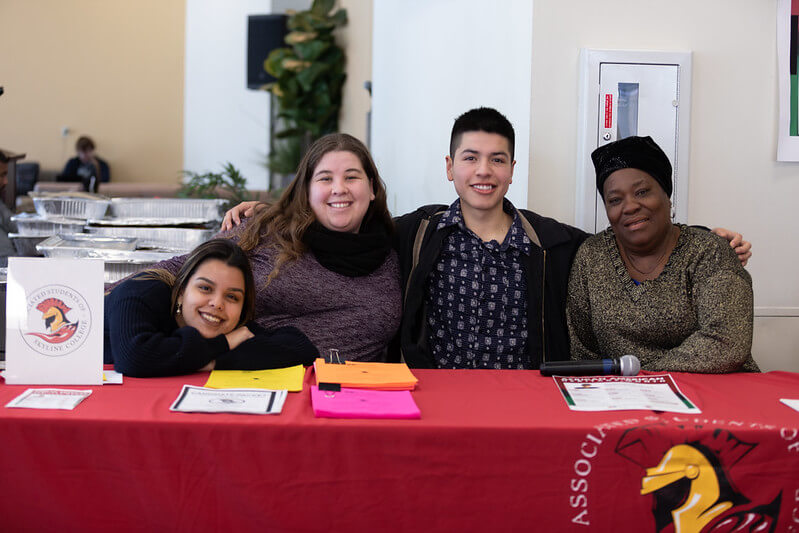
[[54, 321]]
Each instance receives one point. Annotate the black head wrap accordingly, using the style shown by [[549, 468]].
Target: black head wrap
[[632, 152]]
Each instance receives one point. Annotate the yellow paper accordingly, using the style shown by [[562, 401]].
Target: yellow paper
[[277, 379]]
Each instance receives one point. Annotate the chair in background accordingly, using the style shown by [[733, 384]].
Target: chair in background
[[27, 176]]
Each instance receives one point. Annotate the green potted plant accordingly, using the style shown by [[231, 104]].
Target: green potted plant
[[309, 75], [228, 184]]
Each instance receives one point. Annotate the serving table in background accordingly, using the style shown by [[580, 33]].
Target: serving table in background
[[494, 451]]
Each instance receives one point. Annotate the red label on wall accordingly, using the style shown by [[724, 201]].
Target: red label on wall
[[608, 110]]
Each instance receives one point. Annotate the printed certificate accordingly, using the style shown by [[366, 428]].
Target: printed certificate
[[251, 401]]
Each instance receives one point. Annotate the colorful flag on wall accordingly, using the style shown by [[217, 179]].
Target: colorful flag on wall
[[788, 72], [792, 58]]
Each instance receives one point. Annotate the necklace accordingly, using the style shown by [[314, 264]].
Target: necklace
[[657, 263]]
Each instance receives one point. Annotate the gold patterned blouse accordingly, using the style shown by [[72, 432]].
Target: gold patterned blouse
[[696, 316]]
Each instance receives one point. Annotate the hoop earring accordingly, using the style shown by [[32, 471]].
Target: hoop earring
[[179, 309]]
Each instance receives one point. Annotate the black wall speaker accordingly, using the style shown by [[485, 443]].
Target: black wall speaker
[[264, 34]]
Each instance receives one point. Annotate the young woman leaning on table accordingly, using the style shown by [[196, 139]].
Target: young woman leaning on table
[[675, 296], [160, 324], [321, 255]]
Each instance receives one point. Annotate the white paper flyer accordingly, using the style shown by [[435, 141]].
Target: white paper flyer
[[49, 399], [617, 393]]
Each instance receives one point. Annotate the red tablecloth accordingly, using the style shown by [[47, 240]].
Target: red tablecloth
[[494, 451]]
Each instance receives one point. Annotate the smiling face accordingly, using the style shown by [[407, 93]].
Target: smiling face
[[340, 192], [637, 207], [482, 170], [213, 299]]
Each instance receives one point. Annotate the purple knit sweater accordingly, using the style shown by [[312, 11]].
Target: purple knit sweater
[[358, 316]]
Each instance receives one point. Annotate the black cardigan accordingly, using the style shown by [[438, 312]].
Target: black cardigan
[[547, 270], [142, 338]]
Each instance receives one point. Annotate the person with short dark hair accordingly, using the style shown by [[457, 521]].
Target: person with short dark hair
[[674, 296], [159, 323], [487, 288], [86, 167]]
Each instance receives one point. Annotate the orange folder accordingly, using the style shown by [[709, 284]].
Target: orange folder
[[383, 376]]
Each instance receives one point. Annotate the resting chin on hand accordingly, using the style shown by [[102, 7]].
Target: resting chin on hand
[[234, 338], [237, 336]]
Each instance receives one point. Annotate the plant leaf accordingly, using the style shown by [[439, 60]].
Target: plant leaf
[[307, 76], [311, 50], [322, 7]]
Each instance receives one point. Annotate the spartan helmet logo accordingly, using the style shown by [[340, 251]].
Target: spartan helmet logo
[[690, 479], [58, 328]]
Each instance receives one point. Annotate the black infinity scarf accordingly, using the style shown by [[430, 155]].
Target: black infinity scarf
[[349, 254]]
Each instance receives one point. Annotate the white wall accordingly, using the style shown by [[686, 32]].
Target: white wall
[[432, 61], [356, 39], [223, 120], [735, 180]]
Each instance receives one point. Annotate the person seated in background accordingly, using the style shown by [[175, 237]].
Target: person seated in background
[[160, 324], [322, 254], [7, 226], [675, 296], [86, 167]]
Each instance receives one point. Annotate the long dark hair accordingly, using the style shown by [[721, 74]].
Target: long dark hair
[[224, 250], [286, 221]]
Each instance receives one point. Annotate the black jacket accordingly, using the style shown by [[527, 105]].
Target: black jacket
[[547, 270]]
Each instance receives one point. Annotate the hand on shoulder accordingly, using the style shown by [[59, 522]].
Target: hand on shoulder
[[742, 248], [244, 210]]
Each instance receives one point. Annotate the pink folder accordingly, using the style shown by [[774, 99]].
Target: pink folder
[[360, 403]]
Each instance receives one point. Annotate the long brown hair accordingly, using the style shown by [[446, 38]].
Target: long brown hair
[[224, 250], [286, 221]]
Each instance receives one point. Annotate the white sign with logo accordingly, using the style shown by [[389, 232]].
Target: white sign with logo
[[54, 321]]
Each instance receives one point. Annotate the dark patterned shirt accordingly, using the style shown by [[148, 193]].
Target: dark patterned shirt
[[477, 297]]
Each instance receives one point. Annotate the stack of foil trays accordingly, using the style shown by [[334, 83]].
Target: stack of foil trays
[[128, 234], [33, 228], [179, 224], [55, 214]]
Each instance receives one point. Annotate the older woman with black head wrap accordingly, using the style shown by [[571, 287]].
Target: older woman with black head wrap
[[675, 296]]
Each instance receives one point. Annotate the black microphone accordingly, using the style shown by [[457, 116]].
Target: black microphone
[[626, 365]]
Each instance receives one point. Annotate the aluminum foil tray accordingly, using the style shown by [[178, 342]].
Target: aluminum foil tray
[[176, 238], [116, 270], [85, 245], [167, 208], [35, 225], [82, 208], [151, 222], [25, 245]]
